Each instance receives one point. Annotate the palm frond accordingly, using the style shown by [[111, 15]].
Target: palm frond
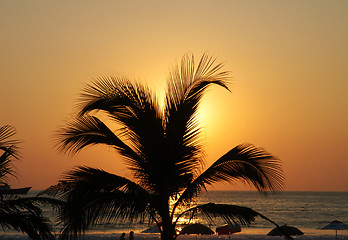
[[245, 163], [186, 86], [6, 132], [6, 166], [6, 143], [37, 227], [22, 214], [55, 203], [229, 213], [14, 202], [94, 196], [8, 152], [130, 104], [89, 131]]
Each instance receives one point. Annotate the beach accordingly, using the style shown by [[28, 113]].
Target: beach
[[147, 236], [219, 237]]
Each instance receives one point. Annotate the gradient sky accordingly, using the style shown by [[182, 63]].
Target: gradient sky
[[288, 61]]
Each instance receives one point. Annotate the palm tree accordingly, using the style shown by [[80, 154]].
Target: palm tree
[[21, 214], [162, 148]]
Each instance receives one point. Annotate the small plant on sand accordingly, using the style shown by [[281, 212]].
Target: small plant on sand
[[162, 148]]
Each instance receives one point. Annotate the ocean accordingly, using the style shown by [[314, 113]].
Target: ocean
[[307, 211]]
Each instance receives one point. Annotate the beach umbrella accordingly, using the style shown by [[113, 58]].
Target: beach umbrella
[[280, 231], [196, 228], [153, 229], [335, 225], [228, 229]]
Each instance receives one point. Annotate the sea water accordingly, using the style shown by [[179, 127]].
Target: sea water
[[308, 211]]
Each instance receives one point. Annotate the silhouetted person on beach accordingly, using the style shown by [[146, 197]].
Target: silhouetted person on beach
[[123, 236], [131, 237]]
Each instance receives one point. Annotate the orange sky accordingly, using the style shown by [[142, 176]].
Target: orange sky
[[288, 61]]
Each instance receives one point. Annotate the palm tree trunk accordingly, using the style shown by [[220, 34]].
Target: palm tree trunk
[[168, 232]]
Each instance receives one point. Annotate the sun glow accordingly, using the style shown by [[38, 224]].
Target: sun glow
[[185, 218], [289, 75]]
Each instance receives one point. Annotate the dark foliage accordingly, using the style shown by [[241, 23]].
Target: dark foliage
[[19, 213]]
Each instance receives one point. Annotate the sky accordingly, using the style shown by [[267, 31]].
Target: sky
[[288, 63]]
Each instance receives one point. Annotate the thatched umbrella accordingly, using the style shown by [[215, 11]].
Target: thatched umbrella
[[196, 228], [335, 225], [282, 230], [153, 229], [228, 229]]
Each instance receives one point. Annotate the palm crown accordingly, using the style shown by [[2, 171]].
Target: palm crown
[[161, 147]]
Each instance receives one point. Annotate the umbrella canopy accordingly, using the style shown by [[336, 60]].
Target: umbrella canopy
[[335, 225], [153, 229], [280, 231], [196, 228], [228, 229]]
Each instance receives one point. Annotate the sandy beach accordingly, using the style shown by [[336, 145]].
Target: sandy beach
[[218, 237], [147, 236]]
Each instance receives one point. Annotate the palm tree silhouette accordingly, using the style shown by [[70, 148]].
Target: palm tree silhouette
[[161, 147], [18, 213]]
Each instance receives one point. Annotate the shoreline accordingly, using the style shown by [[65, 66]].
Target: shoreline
[[330, 235]]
